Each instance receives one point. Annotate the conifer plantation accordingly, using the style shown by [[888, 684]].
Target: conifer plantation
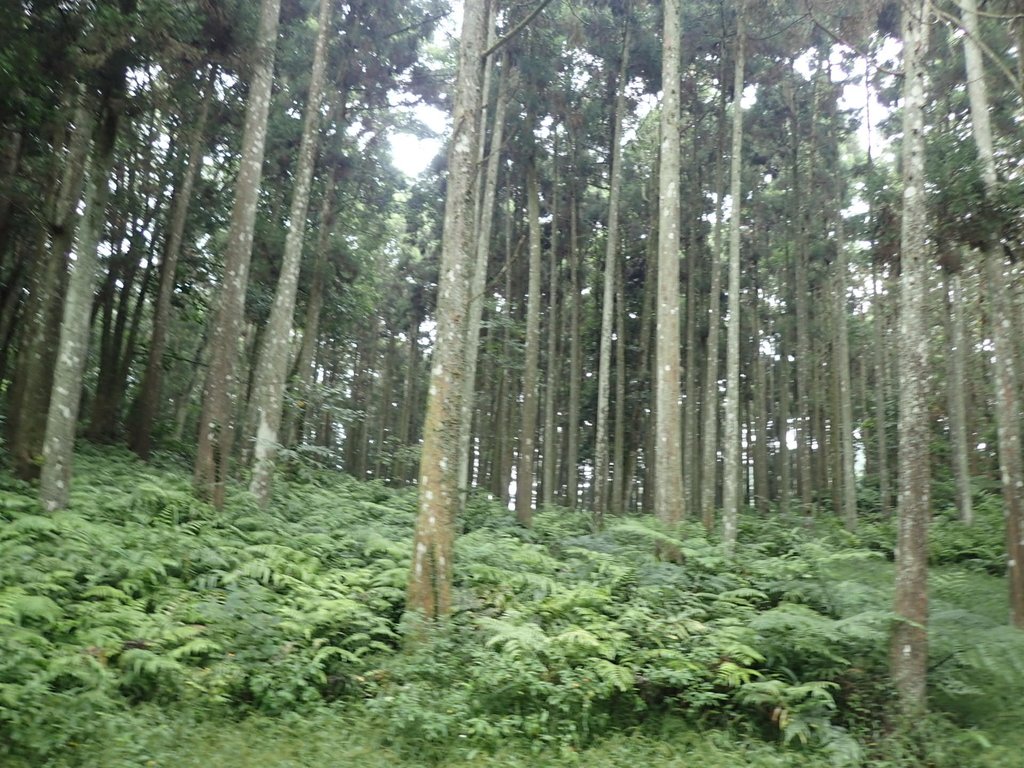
[[662, 406]]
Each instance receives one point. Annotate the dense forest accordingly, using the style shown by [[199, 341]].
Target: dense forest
[[672, 413]]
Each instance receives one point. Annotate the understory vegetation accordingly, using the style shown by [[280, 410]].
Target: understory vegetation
[[141, 627]]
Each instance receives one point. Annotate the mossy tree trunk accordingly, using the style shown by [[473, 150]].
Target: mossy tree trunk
[[220, 391], [909, 643], [668, 475], [429, 589], [275, 353]]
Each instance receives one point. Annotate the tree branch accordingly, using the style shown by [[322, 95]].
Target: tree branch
[[1000, 64], [516, 29]]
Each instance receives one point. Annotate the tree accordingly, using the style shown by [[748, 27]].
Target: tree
[[531, 374], [429, 590], [146, 404], [62, 416], [274, 357], [1008, 408], [601, 462], [216, 421], [668, 473], [909, 644], [731, 469]]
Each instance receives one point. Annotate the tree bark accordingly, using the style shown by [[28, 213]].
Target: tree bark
[[1008, 410], [429, 590], [604, 378], [909, 646], [275, 355], [881, 394], [668, 474], [572, 451], [709, 471], [842, 363], [550, 447], [953, 319], [620, 483], [531, 368], [29, 396], [140, 435], [732, 466], [62, 415], [216, 427], [803, 344], [482, 253]]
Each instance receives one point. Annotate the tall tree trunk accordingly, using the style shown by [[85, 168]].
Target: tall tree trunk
[[531, 367], [803, 343], [62, 416], [620, 483], [732, 466], [305, 370], [1008, 410], [953, 319], [842, 362], [429, 591], [29, 396], [881, 393], [275, 355], [404, 436], [140, 434], [668, 474], [709, 471], [482, 253], [691, 410], [220, 391], [572, 451], [550, 448], [762, 485], [909, 646], [604, 378]]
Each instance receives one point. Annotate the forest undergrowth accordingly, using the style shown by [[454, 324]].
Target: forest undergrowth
[[141, 627]]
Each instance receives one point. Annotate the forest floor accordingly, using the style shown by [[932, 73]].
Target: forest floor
[[142, 628]]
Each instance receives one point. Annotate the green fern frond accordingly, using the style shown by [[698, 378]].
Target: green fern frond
[[198, 646], [518, 640]]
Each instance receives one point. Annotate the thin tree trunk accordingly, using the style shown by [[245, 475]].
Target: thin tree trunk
[[691, 410], [909, 645], [482, 253], [601, 463], [785, 462], [709, 471], [762, 485], [62, 416], [1008, 410], [881, 395], [140, 436], [216, 430], [531, 368], [803, 344], [619, 479], [275, 355], [842, 362], [732, 466], [953, 319], [668, 474], [305, 371], [550, 449], [29, 397], [429, 591], [572, 451]]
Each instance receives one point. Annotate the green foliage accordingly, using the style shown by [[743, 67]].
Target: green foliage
[[140, 597]]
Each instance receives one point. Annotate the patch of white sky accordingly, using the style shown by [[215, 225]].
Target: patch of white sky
[[412, 151]]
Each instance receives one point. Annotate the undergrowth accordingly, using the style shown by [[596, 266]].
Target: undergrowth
[[140, 599]]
